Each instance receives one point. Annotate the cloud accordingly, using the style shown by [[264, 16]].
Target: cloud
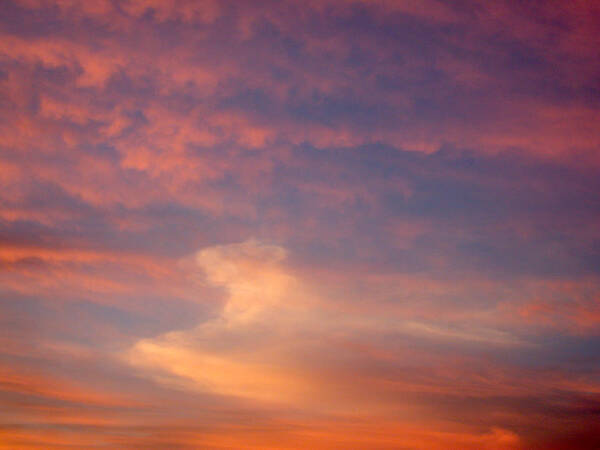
[[428, 170], [223, 355], [269, 318]]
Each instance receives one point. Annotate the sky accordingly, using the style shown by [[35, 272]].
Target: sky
[[333, 224]]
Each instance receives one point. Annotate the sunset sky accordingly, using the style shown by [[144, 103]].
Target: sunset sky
[[310, 224]]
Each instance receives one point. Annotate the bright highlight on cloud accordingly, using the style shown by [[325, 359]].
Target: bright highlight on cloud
[[299, 224], [275, 336], [236, 353]]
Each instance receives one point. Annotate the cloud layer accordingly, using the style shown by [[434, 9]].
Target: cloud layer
[[318, 224]]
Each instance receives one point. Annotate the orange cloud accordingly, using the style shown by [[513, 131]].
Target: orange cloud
[[266, 299], [427, 168]]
